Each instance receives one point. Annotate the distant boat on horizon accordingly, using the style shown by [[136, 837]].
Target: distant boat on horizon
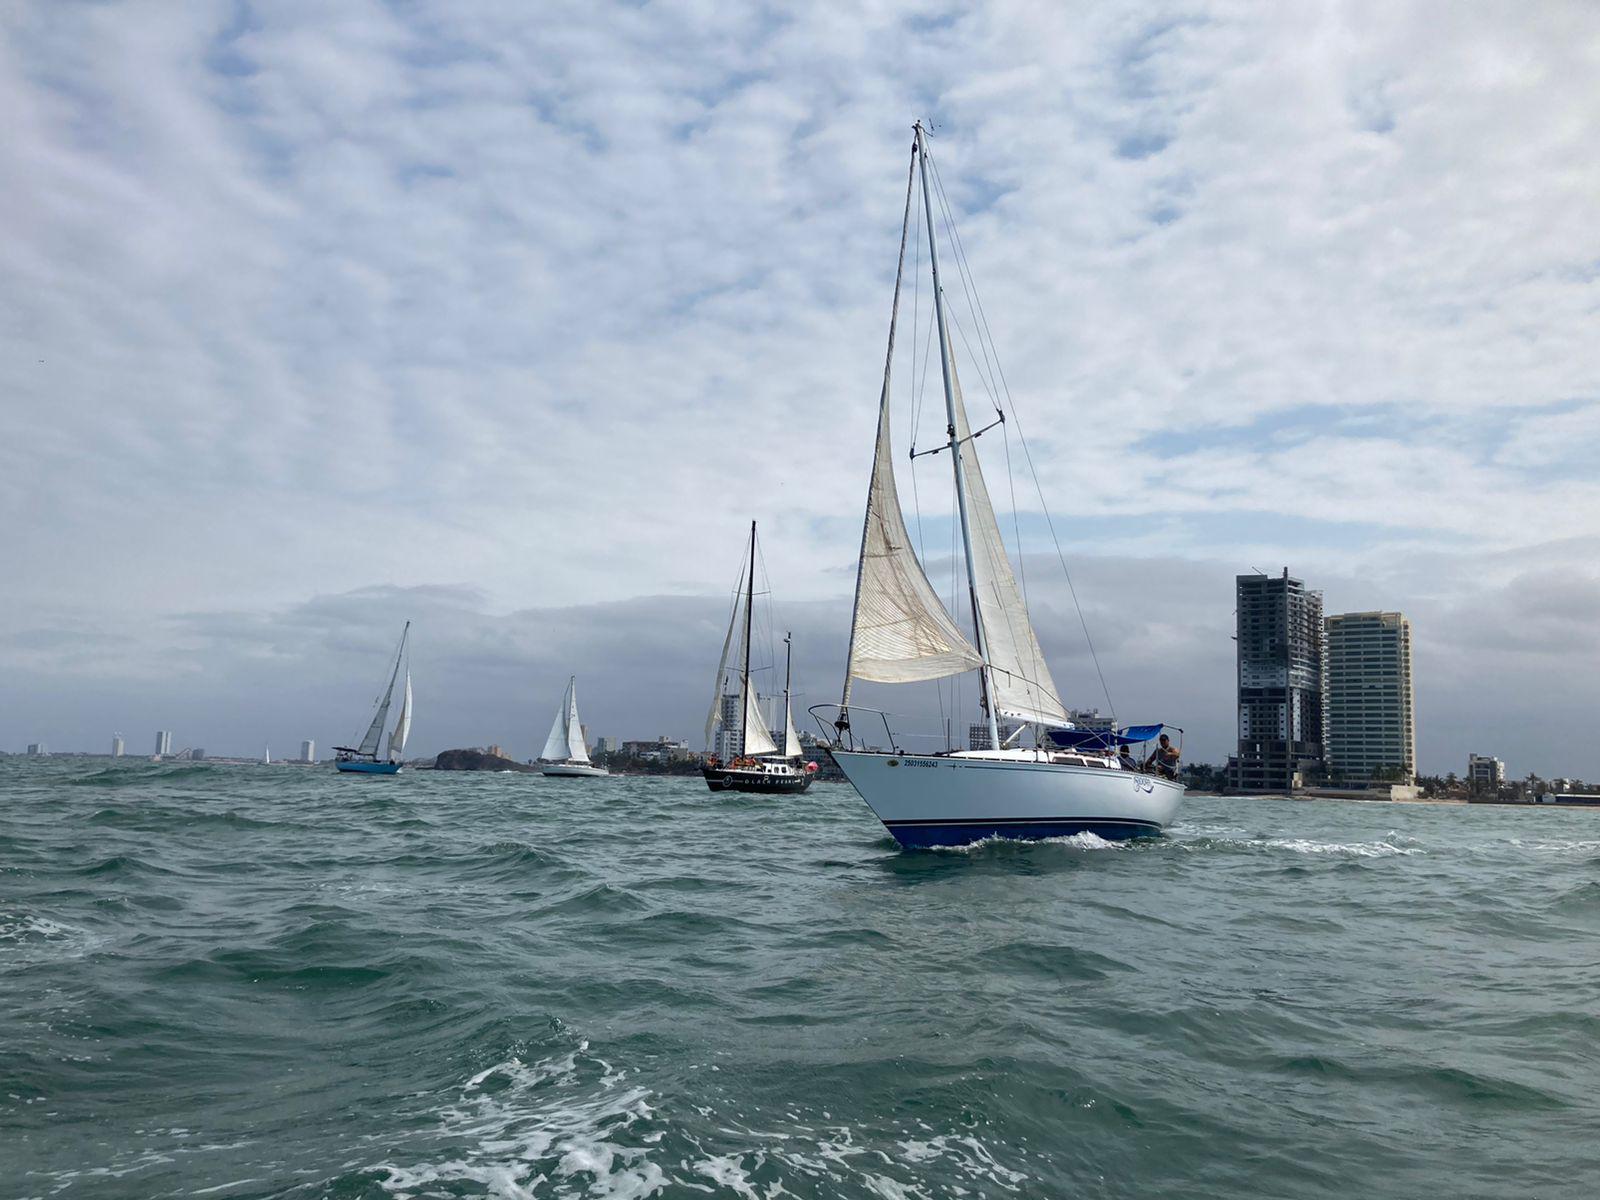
[[364, 759], [758, 766], [564, 754]]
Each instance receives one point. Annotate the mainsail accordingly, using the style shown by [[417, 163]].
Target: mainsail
[[899, 632], [369, 744], [714, 717], [402, 725]]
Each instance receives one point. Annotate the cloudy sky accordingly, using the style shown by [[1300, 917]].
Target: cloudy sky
[[507, 318]]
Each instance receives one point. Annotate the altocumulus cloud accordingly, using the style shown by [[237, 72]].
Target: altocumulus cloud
[[317, 317]]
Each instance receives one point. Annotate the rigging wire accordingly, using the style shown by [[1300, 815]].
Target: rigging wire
[[986, 337]]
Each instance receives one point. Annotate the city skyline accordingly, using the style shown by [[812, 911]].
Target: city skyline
[[1241, 318]]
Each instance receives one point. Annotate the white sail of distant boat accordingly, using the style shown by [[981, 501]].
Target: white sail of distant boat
[[266, 757], [364, 759], [901, 633], [565, 753]]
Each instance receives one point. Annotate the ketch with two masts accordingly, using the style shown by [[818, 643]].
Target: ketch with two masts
[[756, 765], [364, 759], [1068, 781]]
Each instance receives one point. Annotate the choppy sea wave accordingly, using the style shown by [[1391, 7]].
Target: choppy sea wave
[[236, 982]]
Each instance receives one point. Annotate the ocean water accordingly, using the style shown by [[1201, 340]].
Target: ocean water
[[255, 982]]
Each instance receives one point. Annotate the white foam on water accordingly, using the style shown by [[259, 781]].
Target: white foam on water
[[554, 1123], [1077, 841]]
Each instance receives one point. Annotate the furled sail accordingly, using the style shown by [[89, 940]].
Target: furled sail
[[757, 740], [1023, 686], [402, 725]]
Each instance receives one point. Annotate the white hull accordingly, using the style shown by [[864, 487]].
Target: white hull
[[574, 770], [952, 800]]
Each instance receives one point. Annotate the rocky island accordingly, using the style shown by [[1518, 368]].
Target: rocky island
[[476, 760]]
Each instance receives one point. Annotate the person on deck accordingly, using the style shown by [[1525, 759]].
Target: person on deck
[[1125, 758], [1164, 758]]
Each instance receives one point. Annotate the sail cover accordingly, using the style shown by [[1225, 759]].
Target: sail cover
[[757, 739], [402, 725], [902, 632], [1023, 686]]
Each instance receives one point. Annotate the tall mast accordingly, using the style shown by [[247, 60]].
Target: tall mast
[[788, 673], [749, 611], [985, 671]]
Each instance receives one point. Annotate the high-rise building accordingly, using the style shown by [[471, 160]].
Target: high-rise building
[[1090, 719], [1485, 772], [116, 745], [37, 750], [1280, 643], [308, 751], [605, 745], [1371, 722], [197, 755], [730, 731], [163, 741]]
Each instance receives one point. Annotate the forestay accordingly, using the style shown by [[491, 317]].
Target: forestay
[[1023, 686]]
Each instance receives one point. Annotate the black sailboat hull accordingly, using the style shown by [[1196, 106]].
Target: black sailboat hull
[[730, 779]]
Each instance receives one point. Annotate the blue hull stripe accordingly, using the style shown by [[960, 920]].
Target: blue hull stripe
[[962, 831], [367, 768]]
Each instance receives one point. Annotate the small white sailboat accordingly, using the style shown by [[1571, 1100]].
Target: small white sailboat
[[1069, 781], [564, 752], [364, 759]]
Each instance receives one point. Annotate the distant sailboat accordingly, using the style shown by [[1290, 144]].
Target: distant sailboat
[[564, 753], [1070, 781], [364, 759], [266, 756], [758, 765]]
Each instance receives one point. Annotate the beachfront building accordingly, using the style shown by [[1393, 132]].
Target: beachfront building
[[1371, 720], [308, 751], [1280, 681], [1485, 773], [117, 746], [163, 741], [730, 728]]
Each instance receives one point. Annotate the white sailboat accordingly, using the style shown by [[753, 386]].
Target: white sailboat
[[1069, 781], [564, 753], [364, 759]]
